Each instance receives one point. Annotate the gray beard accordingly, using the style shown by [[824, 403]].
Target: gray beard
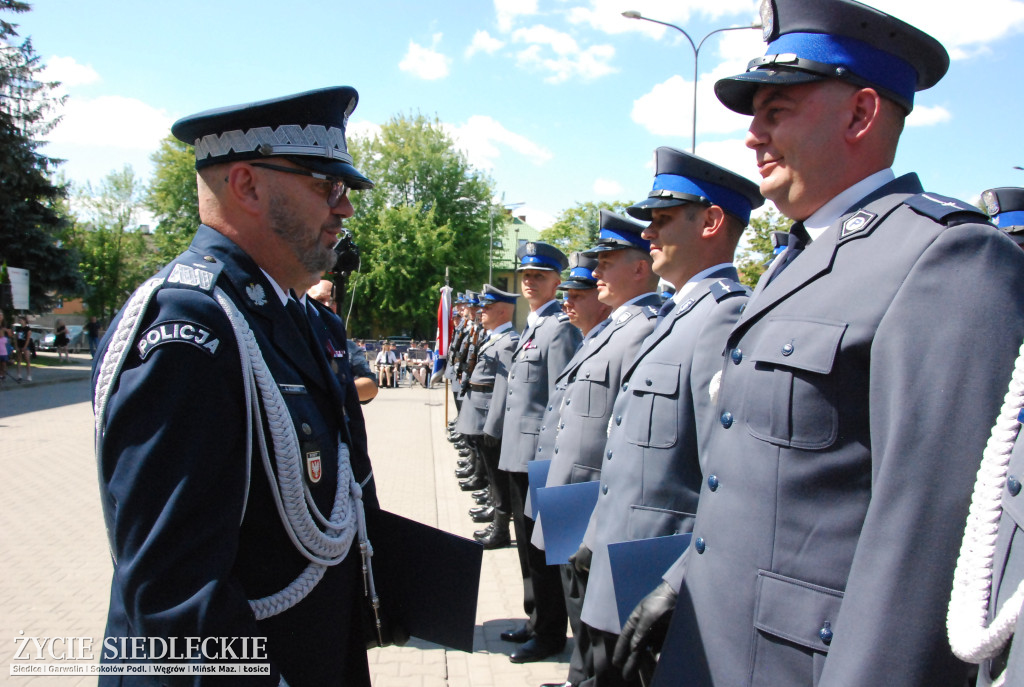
[[311, 254]]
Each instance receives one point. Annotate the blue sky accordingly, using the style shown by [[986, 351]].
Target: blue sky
[[558, 101]]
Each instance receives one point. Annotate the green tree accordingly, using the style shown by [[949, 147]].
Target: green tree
[[172, 198], [429, 211], [113, 252], [577, 228], [32, 219], [756, 249]]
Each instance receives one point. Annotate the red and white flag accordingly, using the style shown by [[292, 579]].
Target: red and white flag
[[445, 326]]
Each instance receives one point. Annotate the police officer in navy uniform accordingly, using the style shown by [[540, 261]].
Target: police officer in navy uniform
[[483, 416], [1006, 208], [649, 471], [858, 385], [544, 348], [627, 285], [228, 425]]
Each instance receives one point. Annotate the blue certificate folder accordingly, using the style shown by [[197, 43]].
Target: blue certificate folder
[[537, 471], [566, 510], [638, 566], [427, 579]]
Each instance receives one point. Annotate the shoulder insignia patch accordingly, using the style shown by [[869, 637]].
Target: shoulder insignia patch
[[188, 275], [562, 317], [623, 317], [723, 288], [940, 207], [650, 311], [256, 294], [176, 331], [856, 224]]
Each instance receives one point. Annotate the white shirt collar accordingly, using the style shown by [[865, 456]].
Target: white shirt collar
[[827, 214], [692, 281], [281, 293], [534, 315], [499, 329], [622, 308]]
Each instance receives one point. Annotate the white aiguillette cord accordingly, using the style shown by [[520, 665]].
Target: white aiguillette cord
[[969, 637], [298, 512]]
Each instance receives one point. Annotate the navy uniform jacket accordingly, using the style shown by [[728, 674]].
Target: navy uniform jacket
[[542, 353], [192, 526], [457, 338], [484, 408], [592, 380], [650, 474], [856, 398]]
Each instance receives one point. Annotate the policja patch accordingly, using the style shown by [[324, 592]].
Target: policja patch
[[314, 468], [177, 331]]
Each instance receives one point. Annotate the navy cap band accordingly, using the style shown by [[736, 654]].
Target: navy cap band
[[706, 191], [1009, 219], [872, 65]]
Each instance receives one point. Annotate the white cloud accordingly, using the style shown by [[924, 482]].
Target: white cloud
[[569, 60], [607, 187], [425, 63], [606, 15], [509, 11], [483, 138], [69, 72], [963, 32], [362, 129], [923, 115], [484, 42], [733, 155], [112, 121]]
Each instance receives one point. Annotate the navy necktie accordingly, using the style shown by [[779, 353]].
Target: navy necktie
[[798, 240]]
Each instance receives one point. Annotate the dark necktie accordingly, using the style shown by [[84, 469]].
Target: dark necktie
[[666, 308], [798, 240], [295, 311]]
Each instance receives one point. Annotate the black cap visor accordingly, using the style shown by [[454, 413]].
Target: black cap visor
[[577, 285], [737, 92]]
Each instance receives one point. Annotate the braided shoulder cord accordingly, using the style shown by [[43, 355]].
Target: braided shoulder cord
[[969, 637]]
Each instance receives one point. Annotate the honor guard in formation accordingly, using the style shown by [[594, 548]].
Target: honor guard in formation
[[987, 599], [234, 479], [482, 418], [627, 285], [649, 469], [857, 386], [544, 348]]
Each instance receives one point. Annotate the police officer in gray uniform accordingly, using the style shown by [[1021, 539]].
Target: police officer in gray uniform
[[625, 283], [859, 383], [484, 410], [544, 348], [230, 441], [985, 606], [650, 474], [585, 312]]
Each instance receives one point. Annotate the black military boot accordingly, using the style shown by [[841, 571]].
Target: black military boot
[[473, 483], [484, 514], [463, 473], [498, 536]]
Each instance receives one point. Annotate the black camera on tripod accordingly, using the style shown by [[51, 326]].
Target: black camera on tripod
[[348, 255]]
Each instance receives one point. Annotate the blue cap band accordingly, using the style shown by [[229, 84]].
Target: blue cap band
[[540, 260], [625, 237], [1010, 219], [729, 200], [865, 61], [581, 273]]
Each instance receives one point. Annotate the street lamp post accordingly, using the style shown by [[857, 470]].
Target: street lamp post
[[490, 252], [633, 14]]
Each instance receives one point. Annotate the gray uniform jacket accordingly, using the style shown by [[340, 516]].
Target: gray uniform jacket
[[543, 351], [650, 475], [592, 381], [1008, 570], [484, 410], [857, 395]]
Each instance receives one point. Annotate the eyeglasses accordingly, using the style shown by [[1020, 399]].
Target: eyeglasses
[[338, 186]]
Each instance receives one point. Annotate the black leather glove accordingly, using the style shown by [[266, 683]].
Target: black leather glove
[[581, 560], [488, 441], [644, 631]]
